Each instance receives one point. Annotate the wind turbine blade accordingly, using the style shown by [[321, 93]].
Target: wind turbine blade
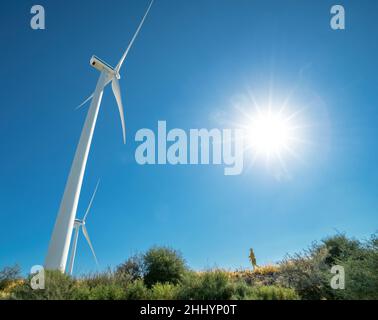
[[90, 202], [119, 65], [85, 101], [86, 235], [117, 94]]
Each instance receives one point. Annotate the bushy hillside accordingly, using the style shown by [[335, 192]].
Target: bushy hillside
[[161, 273]]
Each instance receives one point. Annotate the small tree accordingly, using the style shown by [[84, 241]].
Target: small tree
[[131, 269], [8, 275], [162, 264]]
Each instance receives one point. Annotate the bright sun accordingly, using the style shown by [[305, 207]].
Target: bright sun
[[270, 134], [275, 133]]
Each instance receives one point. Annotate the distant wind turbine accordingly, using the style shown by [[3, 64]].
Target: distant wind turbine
[[82, 224], [57, 254]]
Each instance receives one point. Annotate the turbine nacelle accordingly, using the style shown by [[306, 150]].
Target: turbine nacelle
[[112, 76], [78, 222], [101, 65]]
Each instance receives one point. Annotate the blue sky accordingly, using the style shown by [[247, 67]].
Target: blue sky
[[191, 60]]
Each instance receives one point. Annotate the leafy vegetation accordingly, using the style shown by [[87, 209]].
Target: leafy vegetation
[[161, 273], [309, 272], [9, 275], [163, 265]]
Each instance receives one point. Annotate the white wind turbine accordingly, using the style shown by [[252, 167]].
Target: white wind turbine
[[57, 254], [82, 224]]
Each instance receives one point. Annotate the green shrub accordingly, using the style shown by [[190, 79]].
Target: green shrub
[[102, 278], [189, 284], [271, 293], [136, 290], [241, 290], [107, 292], [361, 272], [164, 291], [211, 285], [131, 269], [306, 273], [103, 286], [163, 265], [309, 272], [339, 248], [81, 291], [58, 286]]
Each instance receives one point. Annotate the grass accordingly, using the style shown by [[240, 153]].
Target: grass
[[162, 274]]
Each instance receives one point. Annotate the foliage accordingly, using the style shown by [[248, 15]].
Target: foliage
[[137, 291], [306, 273], [164, 291], [131, 269], [107, 292], [361, 272], [101, 278], [161, 264], [161, 273], [9, 275], [309, 272], [210, 285], [271, 293], [58, 286]]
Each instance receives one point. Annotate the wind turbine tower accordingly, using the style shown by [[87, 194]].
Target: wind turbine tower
[[57, 254]]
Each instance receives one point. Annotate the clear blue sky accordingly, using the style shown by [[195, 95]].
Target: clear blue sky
[[192, 58]]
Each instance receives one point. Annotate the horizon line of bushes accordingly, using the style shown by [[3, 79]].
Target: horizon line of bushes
[[162, 273]]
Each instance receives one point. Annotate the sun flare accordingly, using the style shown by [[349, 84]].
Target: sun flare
[[270, 134], [273, 136], [276, 130]]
